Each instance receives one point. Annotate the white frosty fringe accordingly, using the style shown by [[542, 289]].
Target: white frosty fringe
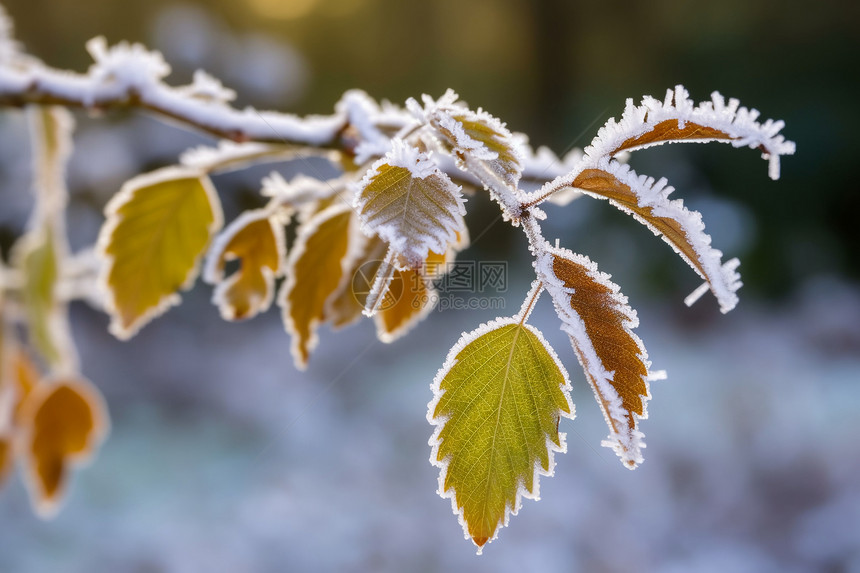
[[413, 243], [432, 298], [51, 195], [230, 156], [446, 115], [301, 190], [626, 443], [125, 70], [45, 508], [305, 232], [723, 280], [381, 284], [733, 119], [213, 270], [438, 423], [363, 114], [112, 220], [408, 157]]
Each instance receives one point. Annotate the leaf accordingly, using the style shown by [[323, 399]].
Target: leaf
[[6, 457], [36, 256], [157, 229], [477, 137], [682, 229], [25, 375], [66, 422], [323, 250], [411, 298], [600, 324], [257, 241], [347, 303], [410, 204], [496, 407], [678, 119]]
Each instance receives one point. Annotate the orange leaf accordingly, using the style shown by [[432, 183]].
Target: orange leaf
[[66, 420], [599, 322], [681, 228], [258, 243]]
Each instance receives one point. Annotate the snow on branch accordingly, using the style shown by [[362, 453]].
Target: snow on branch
[[129, 75]]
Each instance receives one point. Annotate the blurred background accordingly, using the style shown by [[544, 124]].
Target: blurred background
[[223, 457]]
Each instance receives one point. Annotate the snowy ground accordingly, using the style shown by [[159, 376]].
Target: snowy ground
[[224, 458]]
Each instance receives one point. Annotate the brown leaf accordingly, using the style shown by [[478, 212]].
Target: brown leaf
[[682, 229], [669, 131], [600, 322]]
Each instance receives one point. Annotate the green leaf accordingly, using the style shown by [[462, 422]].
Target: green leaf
[[498, 401], [157, 229], [36, 256]]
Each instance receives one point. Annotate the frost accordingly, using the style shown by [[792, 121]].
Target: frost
[[205, 86], [723, 121], [409, 203], [128, 65], [439, 423], [624, 438]]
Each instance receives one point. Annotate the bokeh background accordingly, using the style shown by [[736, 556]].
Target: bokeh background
[[223, 457]]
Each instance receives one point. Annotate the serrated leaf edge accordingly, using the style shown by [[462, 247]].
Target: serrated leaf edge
[[439, 423]]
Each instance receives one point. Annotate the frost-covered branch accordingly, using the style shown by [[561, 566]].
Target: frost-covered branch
[[129, 76]]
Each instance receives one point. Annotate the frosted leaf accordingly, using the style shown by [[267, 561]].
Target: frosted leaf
[[301, 189], [256, 240], [409, 203], [324, 250], [230, 155], [648, 201], [600, 324], [480, 141], [127, 65], [677, 118], [497, 403]]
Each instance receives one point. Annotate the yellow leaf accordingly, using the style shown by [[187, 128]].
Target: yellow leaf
[[157, 229], [66, 421], [315, 268], [497, 404], [347, 303], [257, 241], [599, 322]]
